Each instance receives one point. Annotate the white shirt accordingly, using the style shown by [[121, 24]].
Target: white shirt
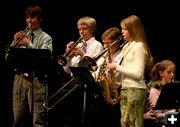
[[93, 49]]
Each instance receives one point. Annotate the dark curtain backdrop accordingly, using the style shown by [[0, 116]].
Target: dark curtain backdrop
[[161, 22]]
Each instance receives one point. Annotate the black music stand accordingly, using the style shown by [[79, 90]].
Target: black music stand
[[169, 97], [31, 61], [85, 78], [26, 59]]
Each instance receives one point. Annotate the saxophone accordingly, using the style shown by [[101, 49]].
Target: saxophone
[[107, 82]]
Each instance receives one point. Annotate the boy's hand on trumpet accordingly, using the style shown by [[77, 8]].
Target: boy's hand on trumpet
[[69, 46]]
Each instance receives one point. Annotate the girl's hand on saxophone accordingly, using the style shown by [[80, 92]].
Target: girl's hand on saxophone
[[118, 84], [111, 66]]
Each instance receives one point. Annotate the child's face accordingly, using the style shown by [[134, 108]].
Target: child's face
[[168, 75], [33, 22]]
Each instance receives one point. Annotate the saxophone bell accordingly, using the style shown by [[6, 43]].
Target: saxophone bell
[[107, 81]]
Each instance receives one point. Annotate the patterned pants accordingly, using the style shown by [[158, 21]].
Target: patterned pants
[[132, 107], [23, 100]]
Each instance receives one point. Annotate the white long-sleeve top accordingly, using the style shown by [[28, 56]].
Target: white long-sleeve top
[[133, 65]]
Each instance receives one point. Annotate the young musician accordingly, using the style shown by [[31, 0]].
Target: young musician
[[29, 92], [88, 46], [109, 113], [135, 59]]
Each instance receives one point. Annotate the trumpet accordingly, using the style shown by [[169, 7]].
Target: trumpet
[[24, 33], [15, 42], [62, 59]]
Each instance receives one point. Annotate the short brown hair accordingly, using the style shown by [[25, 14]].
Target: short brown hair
[[33, 11]]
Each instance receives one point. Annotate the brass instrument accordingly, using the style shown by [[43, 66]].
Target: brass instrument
[[62, 59], [91, 62], [25, 32], [107, 81], [15, 42], [63, 92], [72, 84], [68, 87]]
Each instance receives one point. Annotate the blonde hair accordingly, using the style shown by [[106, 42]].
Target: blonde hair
[[136, 30], [89, 21]]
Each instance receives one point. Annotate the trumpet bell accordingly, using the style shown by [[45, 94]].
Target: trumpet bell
[[88, 62], [61, 59]]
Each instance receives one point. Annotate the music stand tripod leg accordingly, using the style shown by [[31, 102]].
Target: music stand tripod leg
[[32, 97], [84, 105]]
